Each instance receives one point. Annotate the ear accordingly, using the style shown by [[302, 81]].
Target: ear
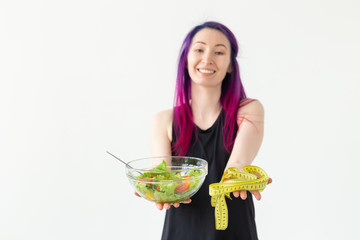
[[229, 69]]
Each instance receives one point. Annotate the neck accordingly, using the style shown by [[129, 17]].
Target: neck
[[205, 104]]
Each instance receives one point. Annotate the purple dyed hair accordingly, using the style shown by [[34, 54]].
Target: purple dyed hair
[[232, 92]]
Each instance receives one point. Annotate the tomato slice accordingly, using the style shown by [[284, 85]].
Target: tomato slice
[[147, 179], [182, 187]]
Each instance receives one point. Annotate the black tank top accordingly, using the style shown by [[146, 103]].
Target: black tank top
[[196, 220]]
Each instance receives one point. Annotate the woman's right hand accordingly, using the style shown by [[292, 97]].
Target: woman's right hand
[[167, 206]]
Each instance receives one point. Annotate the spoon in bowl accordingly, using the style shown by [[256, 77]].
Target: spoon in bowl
[[125, 163]]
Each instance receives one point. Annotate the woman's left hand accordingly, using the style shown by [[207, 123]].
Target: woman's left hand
[[243, 193]]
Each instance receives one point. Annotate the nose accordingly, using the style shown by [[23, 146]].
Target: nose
[[206, 57]]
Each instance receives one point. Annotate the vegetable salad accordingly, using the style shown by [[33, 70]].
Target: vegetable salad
[[163, 185]]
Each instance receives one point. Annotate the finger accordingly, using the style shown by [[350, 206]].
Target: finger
[[243, 195], [159, 206], [167, 206], [176, 205], [256, 194], [187, 201], [236, 194]]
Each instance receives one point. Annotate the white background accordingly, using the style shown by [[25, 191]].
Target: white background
[[79, 78]]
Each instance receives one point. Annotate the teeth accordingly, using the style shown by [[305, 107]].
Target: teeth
[[205, 71]]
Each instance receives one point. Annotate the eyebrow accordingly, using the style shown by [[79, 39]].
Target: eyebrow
[[217, 45]]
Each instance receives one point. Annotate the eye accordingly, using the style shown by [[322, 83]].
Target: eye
[[219, 53], [199, 50]]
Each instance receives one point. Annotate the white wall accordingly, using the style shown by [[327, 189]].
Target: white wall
[[78, 78]]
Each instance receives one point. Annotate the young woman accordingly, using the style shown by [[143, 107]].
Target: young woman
[[211, 119]]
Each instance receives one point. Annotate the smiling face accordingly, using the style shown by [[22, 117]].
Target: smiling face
[[208, 59]]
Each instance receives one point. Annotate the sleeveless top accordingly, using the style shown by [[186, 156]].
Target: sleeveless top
[[197, 219]]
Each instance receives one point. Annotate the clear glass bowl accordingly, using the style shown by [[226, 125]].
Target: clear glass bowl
[[182, 178]]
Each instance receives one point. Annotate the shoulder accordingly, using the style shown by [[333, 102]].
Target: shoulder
[[251, 106], [161, 123], [252, 111], [164, 116]]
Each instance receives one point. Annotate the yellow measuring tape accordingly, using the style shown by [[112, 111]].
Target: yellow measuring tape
[[234, 180]]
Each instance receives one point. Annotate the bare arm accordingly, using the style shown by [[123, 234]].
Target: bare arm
[[248, 140], [160, 142], [249, 136], [160, 133]]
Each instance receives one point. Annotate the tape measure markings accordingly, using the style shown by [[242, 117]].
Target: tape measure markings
[[234, 180]]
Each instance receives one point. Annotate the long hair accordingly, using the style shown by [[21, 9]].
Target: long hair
[[232, 92]]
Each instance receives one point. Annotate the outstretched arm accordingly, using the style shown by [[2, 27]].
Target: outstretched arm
[[160, 142], [248, 139], [160, 133]]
